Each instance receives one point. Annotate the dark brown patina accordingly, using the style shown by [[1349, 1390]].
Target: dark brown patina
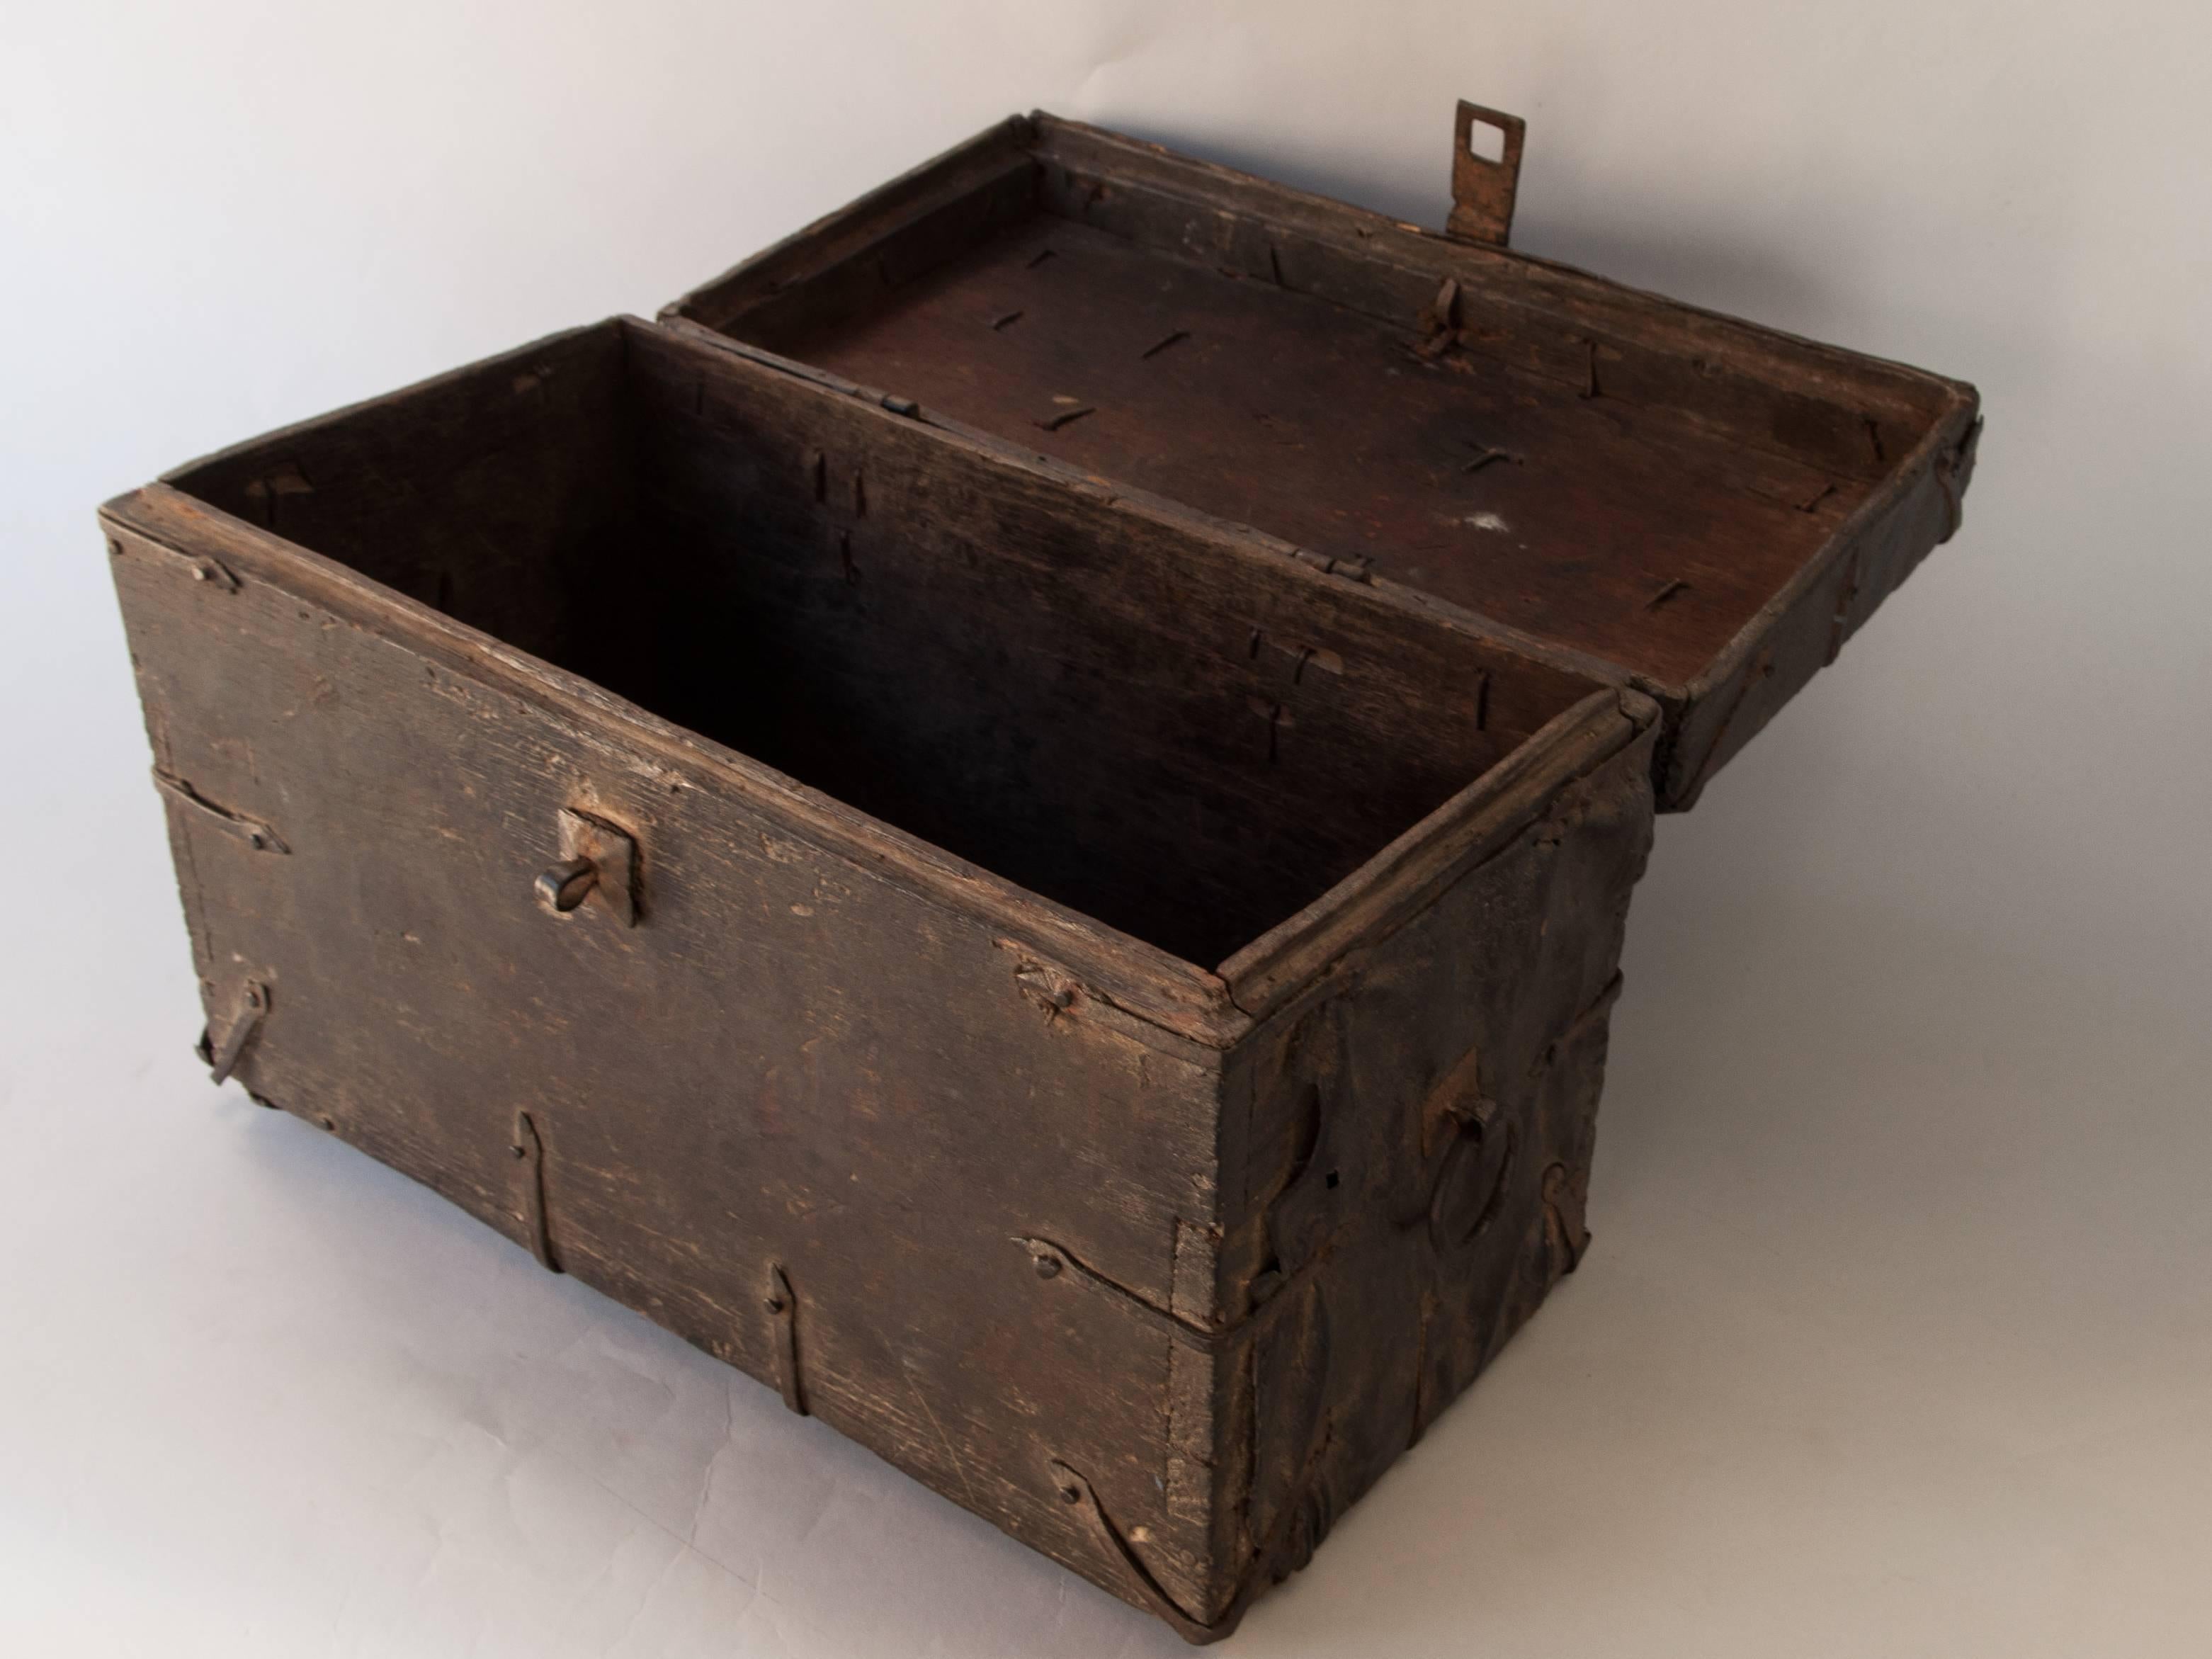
[[1019, 819]]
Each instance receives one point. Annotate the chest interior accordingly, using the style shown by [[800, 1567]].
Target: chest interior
[[1180, 737]]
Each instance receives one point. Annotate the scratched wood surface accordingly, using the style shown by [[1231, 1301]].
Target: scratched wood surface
[[1711, 507], [589, 776]]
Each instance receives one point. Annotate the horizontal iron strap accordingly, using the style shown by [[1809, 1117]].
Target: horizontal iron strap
[[255, 834]]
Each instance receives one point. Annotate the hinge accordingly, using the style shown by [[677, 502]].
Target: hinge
[[1483, 190]]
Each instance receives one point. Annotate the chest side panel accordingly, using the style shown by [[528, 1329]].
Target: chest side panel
[[810, 1121], [1416, 1159]]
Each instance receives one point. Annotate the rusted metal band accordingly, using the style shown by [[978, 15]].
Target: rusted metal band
[[1422, 1409], [1598, 1007], [1564, 1229], [1267, 1565], [254, 833], [1054, 1262], [529, 1149], [783, 1310], [222, 1059], [1075, 1488]]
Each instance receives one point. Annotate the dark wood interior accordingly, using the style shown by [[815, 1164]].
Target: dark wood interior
[[1544, 462], [1184, 739]]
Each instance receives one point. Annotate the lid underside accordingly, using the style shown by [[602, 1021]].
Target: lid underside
[[1634, 534]]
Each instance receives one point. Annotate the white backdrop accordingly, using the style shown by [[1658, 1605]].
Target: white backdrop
[[1897, 1335]]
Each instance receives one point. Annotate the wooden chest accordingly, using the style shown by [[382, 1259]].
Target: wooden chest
[[1019, 819]]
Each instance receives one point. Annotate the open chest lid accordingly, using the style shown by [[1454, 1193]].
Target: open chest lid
[[1695, 506]]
